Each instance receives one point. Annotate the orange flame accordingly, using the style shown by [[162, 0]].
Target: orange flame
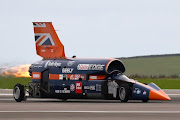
[[19, 71]]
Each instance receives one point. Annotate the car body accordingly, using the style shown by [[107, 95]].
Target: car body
[[57, 76]]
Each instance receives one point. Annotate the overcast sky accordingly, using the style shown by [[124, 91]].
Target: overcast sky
[[91, 28]]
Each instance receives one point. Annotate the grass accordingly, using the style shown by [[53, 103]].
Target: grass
[[158, 65], [9, 82], [165, 83]]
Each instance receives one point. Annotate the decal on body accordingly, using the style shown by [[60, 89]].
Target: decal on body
[[90, 67], [137, 91], [49, 63], [67, 70], [65, 90], [70, 63], [36, 75], [72, 87], [78, 87]]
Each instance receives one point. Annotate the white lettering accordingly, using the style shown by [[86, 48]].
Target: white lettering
[[36, 76], [90, 67], [56, 64], [67, 70]]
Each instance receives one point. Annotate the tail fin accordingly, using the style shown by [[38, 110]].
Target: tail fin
[[48, 44]]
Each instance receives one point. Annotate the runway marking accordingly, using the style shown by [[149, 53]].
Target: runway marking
[[154, 112], [6, 94], [27, 94], [172, 94]]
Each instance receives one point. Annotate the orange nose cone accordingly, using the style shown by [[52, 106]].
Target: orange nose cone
[[158, 95]]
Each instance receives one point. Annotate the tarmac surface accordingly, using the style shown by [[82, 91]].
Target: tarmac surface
[[79, 109]]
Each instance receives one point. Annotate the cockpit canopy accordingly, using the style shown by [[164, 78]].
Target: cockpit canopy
[[115, 65]]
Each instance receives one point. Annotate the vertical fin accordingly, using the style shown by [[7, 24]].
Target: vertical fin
[[48, 45]]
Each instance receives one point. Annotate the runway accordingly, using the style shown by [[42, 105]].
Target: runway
[[78, 109]]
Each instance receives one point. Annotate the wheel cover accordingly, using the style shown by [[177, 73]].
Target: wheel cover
[[122, 93], [16, 92]]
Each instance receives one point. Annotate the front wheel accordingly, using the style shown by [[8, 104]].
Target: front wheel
[[18, 92], [124, 92]]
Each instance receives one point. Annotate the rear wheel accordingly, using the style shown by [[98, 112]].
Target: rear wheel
[[124, 92], [18, 92]]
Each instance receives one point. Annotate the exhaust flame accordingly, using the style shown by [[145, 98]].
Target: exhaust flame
[[19, 71]]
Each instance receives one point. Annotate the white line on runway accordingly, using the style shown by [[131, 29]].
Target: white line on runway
[[6, 94], [27, 94], [154, 112], [172, 94]]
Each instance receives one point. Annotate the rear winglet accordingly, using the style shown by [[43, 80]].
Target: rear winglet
[[48, 44]]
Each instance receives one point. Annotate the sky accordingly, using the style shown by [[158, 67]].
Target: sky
[[91, 28]]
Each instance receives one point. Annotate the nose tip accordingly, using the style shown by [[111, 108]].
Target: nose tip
[[158, 95]]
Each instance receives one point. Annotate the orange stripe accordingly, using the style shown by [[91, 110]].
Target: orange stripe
[[108, 64], [69, 76], [97, 77], [54, 76]]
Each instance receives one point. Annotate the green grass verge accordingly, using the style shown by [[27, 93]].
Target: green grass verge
[[164, 83], [160, 65], [9, 82]]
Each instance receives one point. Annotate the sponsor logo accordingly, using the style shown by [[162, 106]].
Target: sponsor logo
[[90, 67], [137, 91], [38, 64], [83, 77], [56, 64], [62, 91], [70, 63], [86, 87], [75, 77], [93, 77], [144, 93], [98, 87], [92, 87], [62, 77], [78, 87], [72, 87], [36, 76], [67, 70], [56, 91]]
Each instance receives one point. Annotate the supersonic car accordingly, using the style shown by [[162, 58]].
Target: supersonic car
[[57, 76]]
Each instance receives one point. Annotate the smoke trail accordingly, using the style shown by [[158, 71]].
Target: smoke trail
[[17, 71]]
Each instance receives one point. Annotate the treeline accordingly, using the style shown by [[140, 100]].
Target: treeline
[[133, 76]]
